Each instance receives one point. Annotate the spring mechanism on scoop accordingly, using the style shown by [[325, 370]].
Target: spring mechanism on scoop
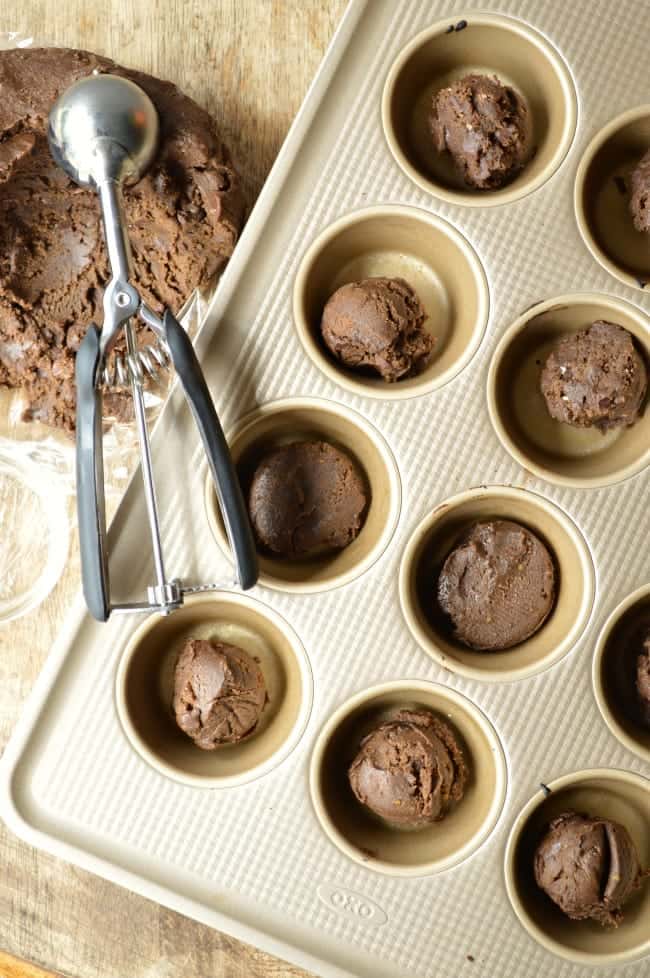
[[152, 360]]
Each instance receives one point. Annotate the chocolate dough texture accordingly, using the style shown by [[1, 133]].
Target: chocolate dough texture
[[307, 498], [410, 769], [183, 219], [643, 680], [588, 866], [378, 325], [219, 693], [497, 586], [595, 378], [640, 194], [485, 127]]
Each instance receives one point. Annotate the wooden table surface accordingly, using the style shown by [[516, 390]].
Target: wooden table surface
[[249, 62]]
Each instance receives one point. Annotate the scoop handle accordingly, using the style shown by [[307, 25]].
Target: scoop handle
[[90, 478], [216, 449]]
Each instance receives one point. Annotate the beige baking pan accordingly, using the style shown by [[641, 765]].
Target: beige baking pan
[[260, 856]]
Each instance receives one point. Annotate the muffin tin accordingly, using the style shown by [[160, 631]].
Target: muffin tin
[[309, 418], [404, 242], [600, 200], [520, 56], [620, 795], [280, 862], [366, 839], [145, 683], [434, 538], [578, 457]]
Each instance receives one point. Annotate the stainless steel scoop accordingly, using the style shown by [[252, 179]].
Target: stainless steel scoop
[[103, 132]]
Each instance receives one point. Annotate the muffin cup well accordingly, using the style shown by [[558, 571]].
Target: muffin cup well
[[145, 680], [396, 242], [601, 197], [620, 795], [561, 453], [493, 45], [298, 419], [435, 537], [614, 672], [396, 851]]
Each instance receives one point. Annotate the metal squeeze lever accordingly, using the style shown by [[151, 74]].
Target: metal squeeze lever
[[103, 132]]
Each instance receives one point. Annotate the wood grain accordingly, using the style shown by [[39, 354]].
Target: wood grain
[[249, 62], [11, 967]]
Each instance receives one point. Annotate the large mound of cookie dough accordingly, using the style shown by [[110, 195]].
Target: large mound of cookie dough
[[183, 218]]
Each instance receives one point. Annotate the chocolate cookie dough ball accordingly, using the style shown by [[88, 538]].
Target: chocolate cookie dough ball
[[640, 195], [595, 378], [485, 127], [183, 219], [307, 498], [410, 769], [378, 324], [497, 586], [643, 681], [588, 866], [219, 693]]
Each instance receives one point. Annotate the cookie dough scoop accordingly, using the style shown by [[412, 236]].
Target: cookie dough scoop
[[103, 132]]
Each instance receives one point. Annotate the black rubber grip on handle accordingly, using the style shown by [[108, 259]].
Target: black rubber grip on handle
[[216, 448], [90, 478]]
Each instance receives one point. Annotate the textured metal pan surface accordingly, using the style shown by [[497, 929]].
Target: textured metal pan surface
[[254, 860]]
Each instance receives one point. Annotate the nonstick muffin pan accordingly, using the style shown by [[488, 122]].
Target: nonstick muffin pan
[[276, 860], [619, 795], [294, 419], [430, 255], [145, 682]]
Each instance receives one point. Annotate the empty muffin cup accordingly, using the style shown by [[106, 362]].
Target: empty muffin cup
[[602, 196], [396, 242], [145, 683], [618, 795], [614, 671], [433, 540], [553, 450], [484, 44], [306, 419], [384, 847]]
